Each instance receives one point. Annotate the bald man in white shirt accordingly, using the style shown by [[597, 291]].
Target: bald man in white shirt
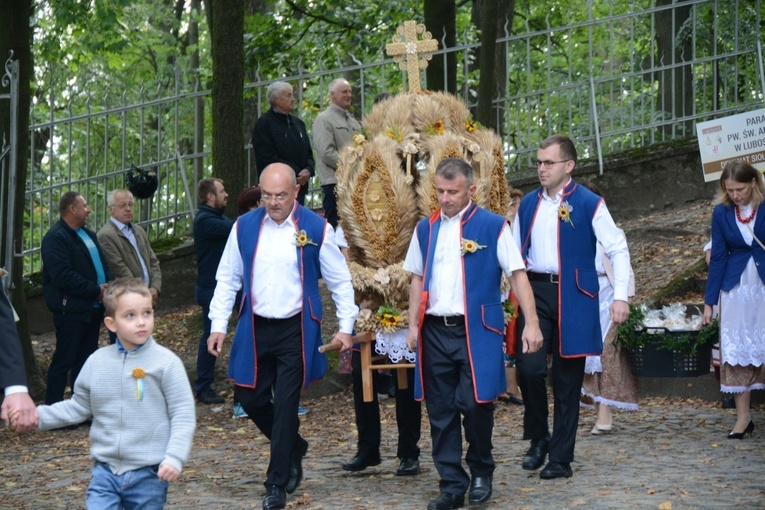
[[276, 343]]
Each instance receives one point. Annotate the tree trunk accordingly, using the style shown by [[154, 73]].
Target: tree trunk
[[487, 55], [441, 21], [674, 98], [493, 70], [16, 35], [227, 91]]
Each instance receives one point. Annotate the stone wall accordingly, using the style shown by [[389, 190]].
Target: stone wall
[[179, 273]]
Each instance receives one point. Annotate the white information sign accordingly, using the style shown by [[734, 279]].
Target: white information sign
[[729, 139]]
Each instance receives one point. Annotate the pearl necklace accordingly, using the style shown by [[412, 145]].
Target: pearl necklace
[[748, 218]]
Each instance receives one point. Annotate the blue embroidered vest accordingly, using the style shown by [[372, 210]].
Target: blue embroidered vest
[[243, 364], [578, 302], [484, 317]]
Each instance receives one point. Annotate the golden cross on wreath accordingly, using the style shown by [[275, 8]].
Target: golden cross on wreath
[[410, 53]]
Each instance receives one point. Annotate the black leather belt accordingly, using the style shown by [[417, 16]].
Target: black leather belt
[[450, 321], [543, 277], [275, 320]]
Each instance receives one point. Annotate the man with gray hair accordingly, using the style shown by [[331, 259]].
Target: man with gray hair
[[280, 137], [126, 244], [333, 129]]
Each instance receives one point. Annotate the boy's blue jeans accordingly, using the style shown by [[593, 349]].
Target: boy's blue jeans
[[137, 489]]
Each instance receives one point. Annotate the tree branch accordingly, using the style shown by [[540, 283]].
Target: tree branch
[[319, 17]]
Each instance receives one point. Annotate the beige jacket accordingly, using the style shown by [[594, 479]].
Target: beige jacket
[[332, 130], [122, 258]]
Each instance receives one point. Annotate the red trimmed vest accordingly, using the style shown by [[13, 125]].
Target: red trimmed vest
[[484, 317], [243, 361], [578, 302]]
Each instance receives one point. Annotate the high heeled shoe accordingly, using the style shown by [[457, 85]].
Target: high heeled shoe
[[740, 435]]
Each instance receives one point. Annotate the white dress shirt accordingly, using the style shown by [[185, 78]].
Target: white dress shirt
[[543, 252], [276, 290], [446, 293]]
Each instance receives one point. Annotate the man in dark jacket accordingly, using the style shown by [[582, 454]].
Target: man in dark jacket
[[13, 380], [280, 137], [211, 231], [75, 273]]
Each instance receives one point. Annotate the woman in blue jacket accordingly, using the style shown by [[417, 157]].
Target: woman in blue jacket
[[736, 276]]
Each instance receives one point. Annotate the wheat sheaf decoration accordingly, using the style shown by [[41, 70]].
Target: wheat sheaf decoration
[[385, 182]]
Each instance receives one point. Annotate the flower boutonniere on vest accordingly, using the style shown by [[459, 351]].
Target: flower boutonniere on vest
[[139, 374], [564, 213], [469, 246], [302, 239]]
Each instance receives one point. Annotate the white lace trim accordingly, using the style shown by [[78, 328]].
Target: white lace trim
[[394, 346]]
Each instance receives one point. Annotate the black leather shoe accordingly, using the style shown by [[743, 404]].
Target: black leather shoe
[[408, 467], [535, 457], [296, 466], [209, 396], [556, 470], [361, 462], [275, 498], [447, 501], [480, 490]]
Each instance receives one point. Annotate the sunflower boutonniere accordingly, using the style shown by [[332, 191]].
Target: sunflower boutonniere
[[470, 246], [139, 374], [564, 213], [302, 239]]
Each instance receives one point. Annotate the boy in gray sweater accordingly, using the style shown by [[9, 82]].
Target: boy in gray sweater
[[139, 397]]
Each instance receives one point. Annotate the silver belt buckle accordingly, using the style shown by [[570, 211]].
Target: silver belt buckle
[[446, 320]]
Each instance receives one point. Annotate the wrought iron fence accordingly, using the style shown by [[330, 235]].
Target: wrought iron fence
[[663, 69]]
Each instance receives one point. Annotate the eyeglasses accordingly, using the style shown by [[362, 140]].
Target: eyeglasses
[[549, 164], [267, 197]]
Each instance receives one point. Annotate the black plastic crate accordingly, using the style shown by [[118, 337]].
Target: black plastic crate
[[650, 361]]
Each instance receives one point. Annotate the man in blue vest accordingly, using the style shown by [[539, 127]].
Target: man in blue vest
[[277, 253], [557, 228], [456, 324]]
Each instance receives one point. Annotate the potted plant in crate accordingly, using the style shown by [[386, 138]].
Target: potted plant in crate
[[660, 352]]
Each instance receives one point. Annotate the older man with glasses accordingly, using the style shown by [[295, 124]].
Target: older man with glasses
[[276, 255]]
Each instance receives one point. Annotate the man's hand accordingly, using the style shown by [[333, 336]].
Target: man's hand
[[25, 417], [345, 339], [154, 295], [215, 343], [620, 311], [411, 340], [168, 473], [531, 337], [303, 176], [101, 294]]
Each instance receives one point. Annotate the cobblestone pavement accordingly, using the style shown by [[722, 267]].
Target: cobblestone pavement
[[672, 453]]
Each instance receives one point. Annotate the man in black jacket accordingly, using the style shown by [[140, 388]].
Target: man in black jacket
[[75, 273], [280, 137], [211, 231]]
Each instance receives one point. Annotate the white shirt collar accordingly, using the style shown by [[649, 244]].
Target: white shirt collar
[[457, 216], [120, 226], [558, 195], [288, 221]]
